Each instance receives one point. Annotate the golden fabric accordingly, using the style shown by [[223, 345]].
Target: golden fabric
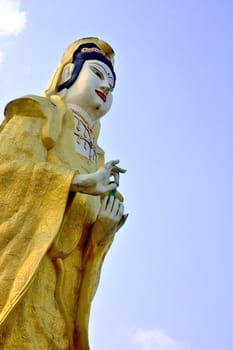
[[49, 266]]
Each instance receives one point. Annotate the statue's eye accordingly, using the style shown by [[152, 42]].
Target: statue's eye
[[98, 73]]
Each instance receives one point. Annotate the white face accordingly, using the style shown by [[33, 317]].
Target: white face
[[92, 89]]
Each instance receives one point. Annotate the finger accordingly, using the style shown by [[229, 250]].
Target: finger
[[110, 203], [115, 172], [118, 169], [111, 164], [104, 203], [115, 207], [124, 218], [116, 178], [120, 210], [122, 221]]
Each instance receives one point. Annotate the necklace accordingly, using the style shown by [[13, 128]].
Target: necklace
[[84, 140]]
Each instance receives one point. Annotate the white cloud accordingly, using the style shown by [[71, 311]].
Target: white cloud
[[12, 19], [156, 339]]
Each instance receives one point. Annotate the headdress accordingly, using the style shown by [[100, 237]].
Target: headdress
[[77, 53]]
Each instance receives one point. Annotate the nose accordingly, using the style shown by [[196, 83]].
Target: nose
[[106, 89]]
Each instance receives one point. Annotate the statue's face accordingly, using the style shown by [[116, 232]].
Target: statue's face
[[92, 89]]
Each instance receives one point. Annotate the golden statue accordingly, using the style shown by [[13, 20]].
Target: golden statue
[[59, 209]]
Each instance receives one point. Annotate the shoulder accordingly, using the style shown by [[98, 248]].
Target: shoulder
[[28, 106], [50, 109]]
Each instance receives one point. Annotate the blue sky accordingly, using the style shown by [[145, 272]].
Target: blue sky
[[167, 281]]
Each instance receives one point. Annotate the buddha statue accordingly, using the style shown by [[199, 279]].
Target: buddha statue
[[59, 204]]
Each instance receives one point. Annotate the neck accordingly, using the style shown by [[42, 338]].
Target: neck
[[82, 113]]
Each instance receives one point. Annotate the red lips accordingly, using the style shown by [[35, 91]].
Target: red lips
[[101, 95]]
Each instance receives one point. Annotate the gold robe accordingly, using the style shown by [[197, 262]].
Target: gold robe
[[49, 265]]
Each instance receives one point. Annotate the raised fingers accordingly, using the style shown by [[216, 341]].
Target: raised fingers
[[116, 177], [115, 172], [113, 168], [107, 204], [120, 210], [116, 207], [118, 169], [109, 165]]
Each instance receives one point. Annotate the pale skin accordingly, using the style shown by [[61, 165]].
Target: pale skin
[[110, 219], [92, 92]]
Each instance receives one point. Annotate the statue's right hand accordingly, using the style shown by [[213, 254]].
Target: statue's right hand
[[98, 182]]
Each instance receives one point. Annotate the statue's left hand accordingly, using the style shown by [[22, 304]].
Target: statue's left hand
[[98, 182], [110, 219]]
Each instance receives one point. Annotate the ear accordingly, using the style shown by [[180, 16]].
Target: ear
[[67, 72]]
